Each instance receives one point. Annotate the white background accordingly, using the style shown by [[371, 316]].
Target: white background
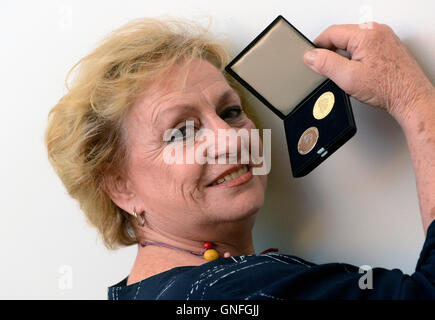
[[359, 207]]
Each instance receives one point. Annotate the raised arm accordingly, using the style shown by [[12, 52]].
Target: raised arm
[[381, 72]]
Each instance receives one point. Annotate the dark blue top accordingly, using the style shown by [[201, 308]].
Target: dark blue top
[[279, 276]]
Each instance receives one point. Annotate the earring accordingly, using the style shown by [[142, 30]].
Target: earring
[[139, 222]]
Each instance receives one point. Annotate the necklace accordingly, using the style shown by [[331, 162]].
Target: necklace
[[161, 244], [208, 253]]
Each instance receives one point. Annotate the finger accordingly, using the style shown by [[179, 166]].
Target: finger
[[338, 37], [334, 66]]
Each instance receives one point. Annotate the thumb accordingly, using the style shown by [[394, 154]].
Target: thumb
[[332, 65]]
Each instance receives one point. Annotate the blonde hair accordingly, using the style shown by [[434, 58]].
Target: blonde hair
[[84, 135]]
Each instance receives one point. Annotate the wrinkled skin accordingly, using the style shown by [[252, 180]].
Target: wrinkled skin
[[179, 206], [381, 71]]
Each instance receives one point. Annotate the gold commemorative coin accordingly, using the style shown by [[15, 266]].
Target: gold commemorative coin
[[308, 140], [323, 105]]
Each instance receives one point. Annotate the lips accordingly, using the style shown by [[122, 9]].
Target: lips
[[229, 174]]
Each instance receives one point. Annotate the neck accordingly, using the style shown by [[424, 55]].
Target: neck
[[235, 238]]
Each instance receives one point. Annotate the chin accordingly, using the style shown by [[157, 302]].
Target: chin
[[239, 202], [240, 207]]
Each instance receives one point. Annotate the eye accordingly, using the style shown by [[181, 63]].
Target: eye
[[183, 133], [232, 112], [188, 131]]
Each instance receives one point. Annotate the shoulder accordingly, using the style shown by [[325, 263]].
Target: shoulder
[[240, 277], [225, 278], [150, 288]]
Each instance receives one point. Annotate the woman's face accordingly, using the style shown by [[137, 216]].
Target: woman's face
[[179, 198]]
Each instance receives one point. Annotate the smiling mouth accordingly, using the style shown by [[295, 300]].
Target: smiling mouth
[[231, 176]]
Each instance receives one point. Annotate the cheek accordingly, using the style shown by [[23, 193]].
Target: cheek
[[263, 179], [249, 124], [150, 174], [177, 182], [155, 180], [185, 175]]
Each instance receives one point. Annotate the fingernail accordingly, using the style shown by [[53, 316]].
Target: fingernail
[[309, 57]]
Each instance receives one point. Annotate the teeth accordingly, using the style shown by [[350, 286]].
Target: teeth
[[232, 175], [220, 181]]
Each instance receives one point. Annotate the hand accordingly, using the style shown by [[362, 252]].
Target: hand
[[380, 72]]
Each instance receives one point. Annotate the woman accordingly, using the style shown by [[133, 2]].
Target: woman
[[106, 138]]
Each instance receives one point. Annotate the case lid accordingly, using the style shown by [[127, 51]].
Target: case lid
[[273, 66]]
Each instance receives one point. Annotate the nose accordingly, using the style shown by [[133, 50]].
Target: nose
[[225, 144]]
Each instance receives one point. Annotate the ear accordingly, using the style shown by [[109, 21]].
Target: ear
[[119, 188]]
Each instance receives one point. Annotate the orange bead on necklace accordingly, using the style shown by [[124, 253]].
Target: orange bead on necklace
[[210, 254]]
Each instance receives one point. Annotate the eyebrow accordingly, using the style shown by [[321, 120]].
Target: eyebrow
[[226, 95]]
